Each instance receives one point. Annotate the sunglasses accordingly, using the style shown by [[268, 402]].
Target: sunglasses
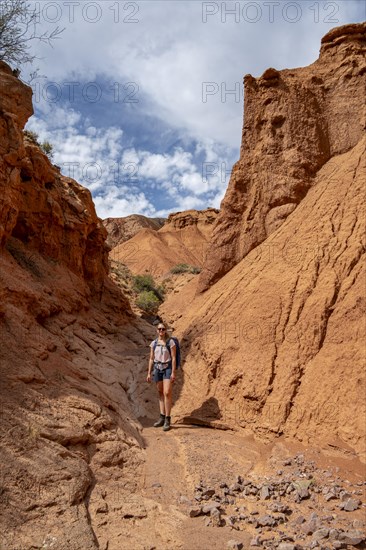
[[161, 329]]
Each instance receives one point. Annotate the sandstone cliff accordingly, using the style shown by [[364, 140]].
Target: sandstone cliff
[[183, 239], [295, 121], [69, 348], [121, 230], [276, 346]]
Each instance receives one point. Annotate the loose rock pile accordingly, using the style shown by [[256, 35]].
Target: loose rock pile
[[301, 507]]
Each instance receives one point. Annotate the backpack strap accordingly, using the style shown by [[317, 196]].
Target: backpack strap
[[167, 345]]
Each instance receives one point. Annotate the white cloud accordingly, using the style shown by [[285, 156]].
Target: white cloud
[[170, 52], [88, 154], [122, 178], [117, 202], [187, 73]]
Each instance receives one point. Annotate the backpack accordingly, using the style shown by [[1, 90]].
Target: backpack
[[177, 348]]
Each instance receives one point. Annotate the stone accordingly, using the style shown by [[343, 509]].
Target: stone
[[352, 537], [321, 534], [302, 488], [286, 546], [299, 520], [195, 511], [333, 534], [231, 522], [235, 487], [350, 505], [303, 493], [328, 496], [234, 545], [280, 518], [255, 541], [184, 500], [215, 517], [206, 508], [265, 493], [207, 493], [266, 521], [309, 527]]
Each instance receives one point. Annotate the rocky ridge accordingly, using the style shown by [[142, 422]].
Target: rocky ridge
[[295, 121], [183, 239], [121, 230]]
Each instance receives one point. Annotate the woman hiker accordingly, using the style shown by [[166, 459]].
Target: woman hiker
[[164, 363]]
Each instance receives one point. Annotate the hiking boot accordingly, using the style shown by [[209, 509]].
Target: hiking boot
[[166, 424], [160, 422]]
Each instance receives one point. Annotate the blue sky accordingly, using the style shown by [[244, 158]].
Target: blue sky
[[143, 100]]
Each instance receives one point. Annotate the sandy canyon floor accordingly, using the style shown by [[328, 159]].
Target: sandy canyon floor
[[206, 489]]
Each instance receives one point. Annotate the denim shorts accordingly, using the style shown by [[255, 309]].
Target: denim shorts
[[159, 375]]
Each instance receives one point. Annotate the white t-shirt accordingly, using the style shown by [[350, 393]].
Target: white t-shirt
[[162, 354]]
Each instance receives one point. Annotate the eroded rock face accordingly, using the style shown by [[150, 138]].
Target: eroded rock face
[[200, 218], [48, 212], [183, 239], [276, 346], [294, 122], [69, 356], [121, 230]]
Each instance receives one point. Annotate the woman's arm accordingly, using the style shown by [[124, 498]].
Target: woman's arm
[[151, 363]]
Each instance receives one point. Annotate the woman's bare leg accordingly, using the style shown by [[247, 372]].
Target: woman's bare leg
[[167, 392], [160, 388]]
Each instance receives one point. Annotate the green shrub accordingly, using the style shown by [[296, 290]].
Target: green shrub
[[32, 136], [180, 268], [160, 292], [148, 301], [143, 282], [47, 148], [185, 268]]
